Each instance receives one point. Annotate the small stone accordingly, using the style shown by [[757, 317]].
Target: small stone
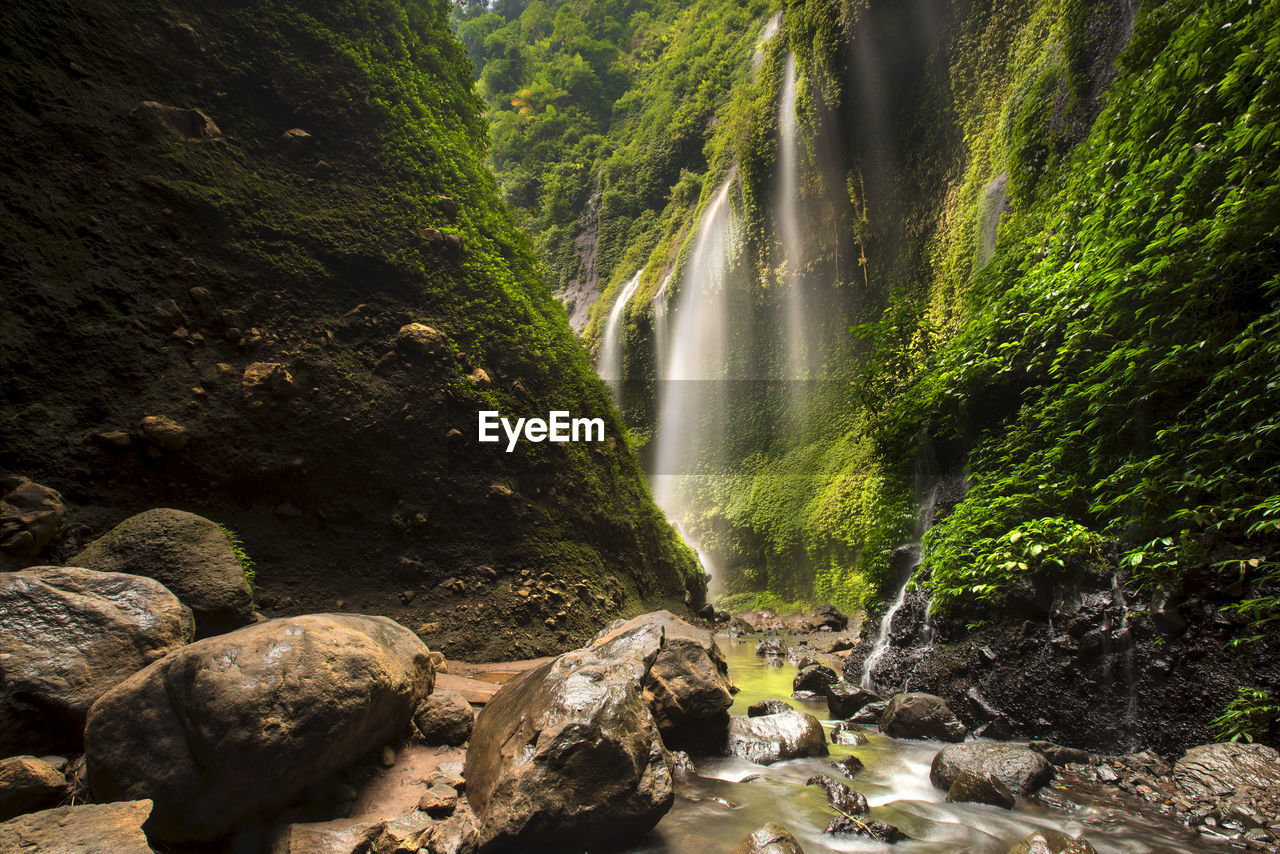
[[387, 757], [767, 707], [480, 377], [28, 784], [164, 433], [295, 141], [448, 207], [439, 800], [445, 718], [166, 120], [420, 340]]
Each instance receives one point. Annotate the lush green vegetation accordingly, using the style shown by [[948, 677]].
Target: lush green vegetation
[[1249, 717], [242, 556]]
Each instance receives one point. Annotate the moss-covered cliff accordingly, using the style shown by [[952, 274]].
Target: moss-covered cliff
[[319, 185]]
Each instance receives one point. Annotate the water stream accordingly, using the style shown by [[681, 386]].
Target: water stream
[[715, 809], [610, 367]]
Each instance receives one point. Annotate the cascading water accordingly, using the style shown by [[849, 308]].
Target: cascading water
[[767, 33], [885, 636], [788, 207], [610, 365], [695, 360], [660, 332]]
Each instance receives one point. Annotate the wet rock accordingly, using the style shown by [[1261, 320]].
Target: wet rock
[[1052, 842], [568, 754], [921, 716], [1213, 771], [234, 727], [70, 634], [849, 765], [997, 730], [875, 830], [1147, 762], [86, 829], [165, 120], [839, 795], [773, 738], [28, 784], [845, 700], [681, 762], [828, 616], [815, 679], [870, 713], [164, 433], [767, 707], [1020, 768], [418, 339], [969, 787], [851, 734], [686, 678], [1059, 755], [773, 838], [445, 718], [31, 516], [188, 554], [770, 647]]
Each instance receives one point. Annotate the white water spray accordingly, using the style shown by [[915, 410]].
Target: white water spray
[[610, 366], [767, 33], [885, 635], [796, 328]]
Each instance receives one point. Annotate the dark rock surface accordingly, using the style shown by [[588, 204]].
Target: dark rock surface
[[234, 727], [839, 795], [815, 678], [874, 830], [773, 738], [1052, 842], [31, 517], [845, 700], [1020, 768], [28, 784], [970, 787], [767, 707], [68, 635], [921, 716], [186, 553]]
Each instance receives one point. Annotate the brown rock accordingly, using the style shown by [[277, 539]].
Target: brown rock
[[438, 801], [164, 433], [295, 141], [773, 838], [448, 207], [921, 716], [28, 784], [165, 120], [268, 380], [31, 516], [86, 829], [418, 339], [234, 727], [480, 377], [1052, 842], [445, 718], [70, 634], [187, 553]]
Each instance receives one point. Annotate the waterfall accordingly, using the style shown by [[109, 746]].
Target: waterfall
[[796, 329], [610, 366], [660, 331], [767, 33], [884, 637], [694, 357]]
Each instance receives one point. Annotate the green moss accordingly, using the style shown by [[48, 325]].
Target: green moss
[[242, 556]]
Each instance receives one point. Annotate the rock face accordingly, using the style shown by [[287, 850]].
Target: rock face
[[31, 516], [980, 789], [921, 716], [69, 634], [845, 700], [235, 726], [1217, 770], [87, 829], [773, 838], [27, 784], [568, 754], [686, 678], [1052, 842], [445, 718], [773, 738], [1020, 768], [188, 554]]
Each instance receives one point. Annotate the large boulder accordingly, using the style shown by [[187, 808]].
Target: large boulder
[[816, 679], [568, 755], [187, 553], [86, 829], [845, 700], [1020, 768], [1052, 842], [773, 738], [686, 678], [234, 727], [980, 789], [921, 716], [445, 718], [28, 784], [773, 838], [1214, 771], [68, 635], [31, 516]]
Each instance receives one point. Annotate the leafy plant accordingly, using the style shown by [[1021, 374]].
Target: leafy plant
[[1250, 716], [242, 556]]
